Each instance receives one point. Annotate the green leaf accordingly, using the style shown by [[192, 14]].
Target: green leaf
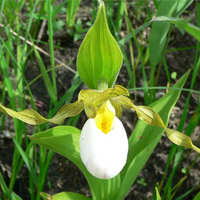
[[190, 28], [145, 137], [46, 77], [26, 160], [65, 141], [197, 197], [69, 196], [173, 75], [61, 139], [157, 195], [182, 6], [45, 196], [99, 58], [72, 8], [6, 192], [15, 196], [64, 196], [159, 30]]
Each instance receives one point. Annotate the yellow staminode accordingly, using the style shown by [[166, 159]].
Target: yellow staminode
[[104, 117]]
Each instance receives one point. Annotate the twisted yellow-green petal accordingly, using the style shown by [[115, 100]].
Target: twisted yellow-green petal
[[30, 116], [117, 107], [151, 117], [90, 100], [68, 110], [180, 139]]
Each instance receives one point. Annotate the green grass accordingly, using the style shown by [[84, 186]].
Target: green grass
[[145, 61]]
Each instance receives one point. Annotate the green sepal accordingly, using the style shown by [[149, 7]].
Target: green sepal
[[99, 58]]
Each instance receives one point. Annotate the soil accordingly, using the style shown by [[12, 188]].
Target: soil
[[63, 175]]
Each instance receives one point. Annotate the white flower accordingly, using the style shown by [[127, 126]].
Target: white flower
[[104, 152]]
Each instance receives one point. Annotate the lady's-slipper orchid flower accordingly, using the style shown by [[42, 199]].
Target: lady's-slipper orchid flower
[[104, 143], [103, 140]]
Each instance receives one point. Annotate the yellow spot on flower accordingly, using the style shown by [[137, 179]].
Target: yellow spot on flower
[[104, 117]]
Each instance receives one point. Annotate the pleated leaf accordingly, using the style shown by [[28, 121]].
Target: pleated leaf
[[197, 197], [69, 196], [99, 58], [64, 196], [65, 141]]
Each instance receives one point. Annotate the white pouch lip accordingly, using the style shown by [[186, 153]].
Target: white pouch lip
[[104, 155]]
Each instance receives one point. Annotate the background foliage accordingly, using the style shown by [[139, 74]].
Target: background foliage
[[39, 41]]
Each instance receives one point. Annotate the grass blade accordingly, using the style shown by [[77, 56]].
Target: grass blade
[[190, 28], [51, 44]]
